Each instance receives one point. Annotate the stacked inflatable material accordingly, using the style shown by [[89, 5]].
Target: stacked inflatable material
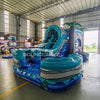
[[63, 73], [20, 58], [7, 57], [61, 68], [85, 56]]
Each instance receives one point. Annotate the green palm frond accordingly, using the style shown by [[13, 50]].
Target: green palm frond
[[44, 27], [72, 23]]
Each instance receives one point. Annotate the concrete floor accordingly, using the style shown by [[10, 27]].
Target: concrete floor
[[87, 89]]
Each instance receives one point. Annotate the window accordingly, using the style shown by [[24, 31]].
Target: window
[[61, 22], [1, 38], [43, 30], [6, 22], [28, 28]]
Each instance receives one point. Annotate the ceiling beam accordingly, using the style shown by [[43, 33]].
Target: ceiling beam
[[77, 13], [57, 2]]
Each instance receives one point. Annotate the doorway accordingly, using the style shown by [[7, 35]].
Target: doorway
[[91, 41]]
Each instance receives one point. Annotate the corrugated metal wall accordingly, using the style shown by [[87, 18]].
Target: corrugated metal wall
[[47, 24], [1, 23], [32, 30], [56, 22], [23, 29], [12, 24], [39, 28], [89, 21]]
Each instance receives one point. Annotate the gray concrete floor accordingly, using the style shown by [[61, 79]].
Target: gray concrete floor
[[87, 89]]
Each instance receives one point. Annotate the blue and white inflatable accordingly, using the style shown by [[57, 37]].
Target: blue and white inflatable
[[50, 66]]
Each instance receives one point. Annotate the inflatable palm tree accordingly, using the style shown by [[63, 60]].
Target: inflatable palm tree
[[72, 23], [44, 27]]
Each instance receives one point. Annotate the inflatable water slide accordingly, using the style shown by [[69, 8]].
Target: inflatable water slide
[[50, 66]]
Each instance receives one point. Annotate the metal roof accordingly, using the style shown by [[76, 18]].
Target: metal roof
[[39, 10]]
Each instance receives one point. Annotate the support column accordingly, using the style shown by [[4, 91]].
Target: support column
[[71, 40], [36, 33], [18, 28], [99, 39], [83, 42]]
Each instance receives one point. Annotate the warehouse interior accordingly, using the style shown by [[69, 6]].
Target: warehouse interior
[[27, 21]]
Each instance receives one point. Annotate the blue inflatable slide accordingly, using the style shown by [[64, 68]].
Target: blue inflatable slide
[[49, 66]]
